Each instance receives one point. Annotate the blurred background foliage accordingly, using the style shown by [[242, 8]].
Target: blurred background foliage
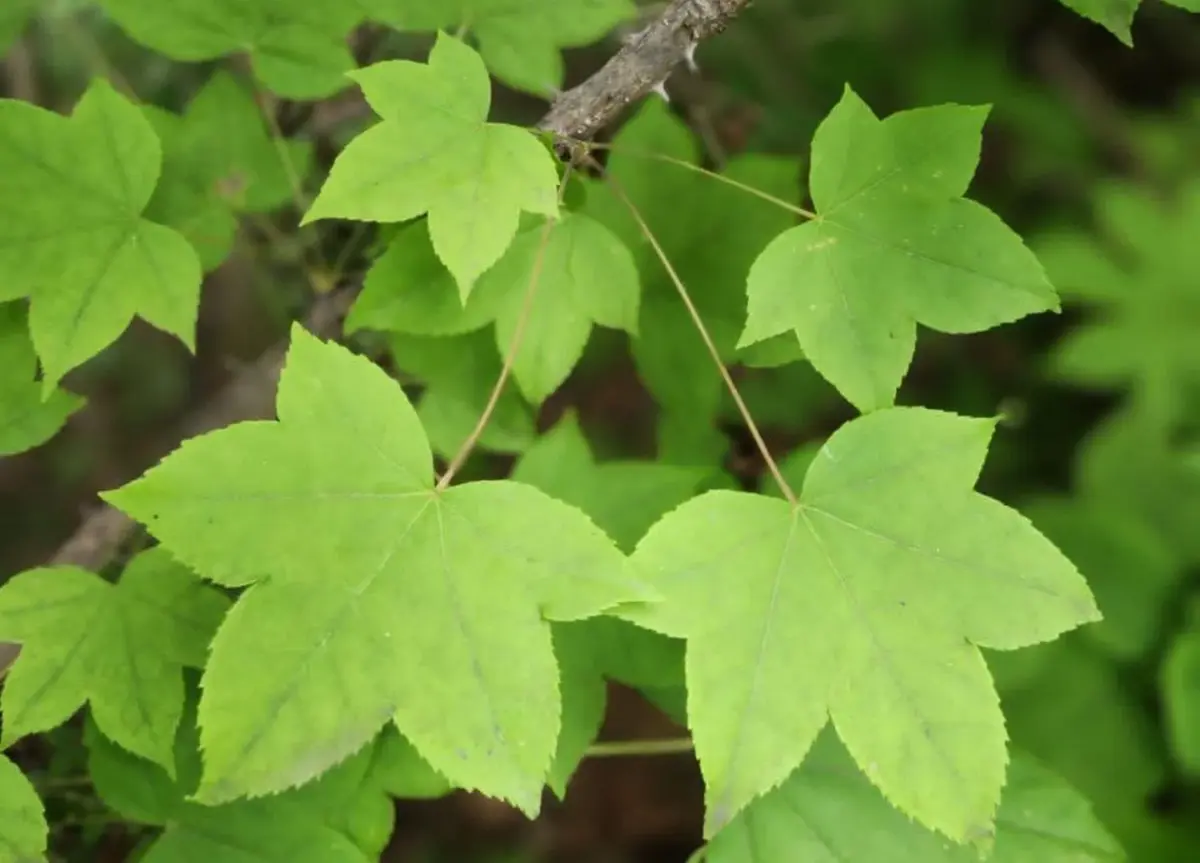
[[1092, 153]]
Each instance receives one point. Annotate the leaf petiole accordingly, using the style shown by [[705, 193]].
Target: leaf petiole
[[699, 169], [633, 748], [514, 346], [751, 425]]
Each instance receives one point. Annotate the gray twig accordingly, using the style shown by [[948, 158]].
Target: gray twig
[[641, 66]]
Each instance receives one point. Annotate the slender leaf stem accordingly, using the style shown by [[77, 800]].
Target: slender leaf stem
[[630, 748], [266, 106], [514, 345], [699, 855], [700, 169], [708, 341]]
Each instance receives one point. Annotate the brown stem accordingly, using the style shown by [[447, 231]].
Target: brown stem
[[631, 748], [708, 341], [510, 355]]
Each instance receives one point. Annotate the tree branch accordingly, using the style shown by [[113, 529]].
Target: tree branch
[[643, 64]]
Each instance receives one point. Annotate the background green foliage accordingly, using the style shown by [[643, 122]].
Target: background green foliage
[[175, 180]]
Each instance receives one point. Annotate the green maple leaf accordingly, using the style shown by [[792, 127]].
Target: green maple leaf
[[344, 817], [827, 811], [219, 160], [709, 230], [867, 604], [403, 773], [72, 236], [297, 49], [430, 608], [458, 376], [520, 40], [122, 648], [584, 698], [409, 290], [894, 244], [23, 829], [26, 419], [436, 153], [1143, 299], [586, 277], [623, 497]]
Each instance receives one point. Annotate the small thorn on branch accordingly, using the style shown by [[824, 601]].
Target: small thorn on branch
[[647, 57]]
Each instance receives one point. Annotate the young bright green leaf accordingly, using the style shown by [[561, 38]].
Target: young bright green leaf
[[402, 772], [710, 231], [436, 153], [458, 375], [894, 244], [430, 608], [409, 290], [1180, 687], [773, 352], [122, 648], [136, 789], [827, 811], [218, 160], [1144, 299], [519, 40], [297, 49], [26, 419], [591, 652], [584, 696], [23, 830], [865, 604], [623, 497], [72, 236], [585, 276]]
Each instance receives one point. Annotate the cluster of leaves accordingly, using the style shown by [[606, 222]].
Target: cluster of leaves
[[825, 646]]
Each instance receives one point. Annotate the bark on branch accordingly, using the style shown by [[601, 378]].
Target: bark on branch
[[643, 64]]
